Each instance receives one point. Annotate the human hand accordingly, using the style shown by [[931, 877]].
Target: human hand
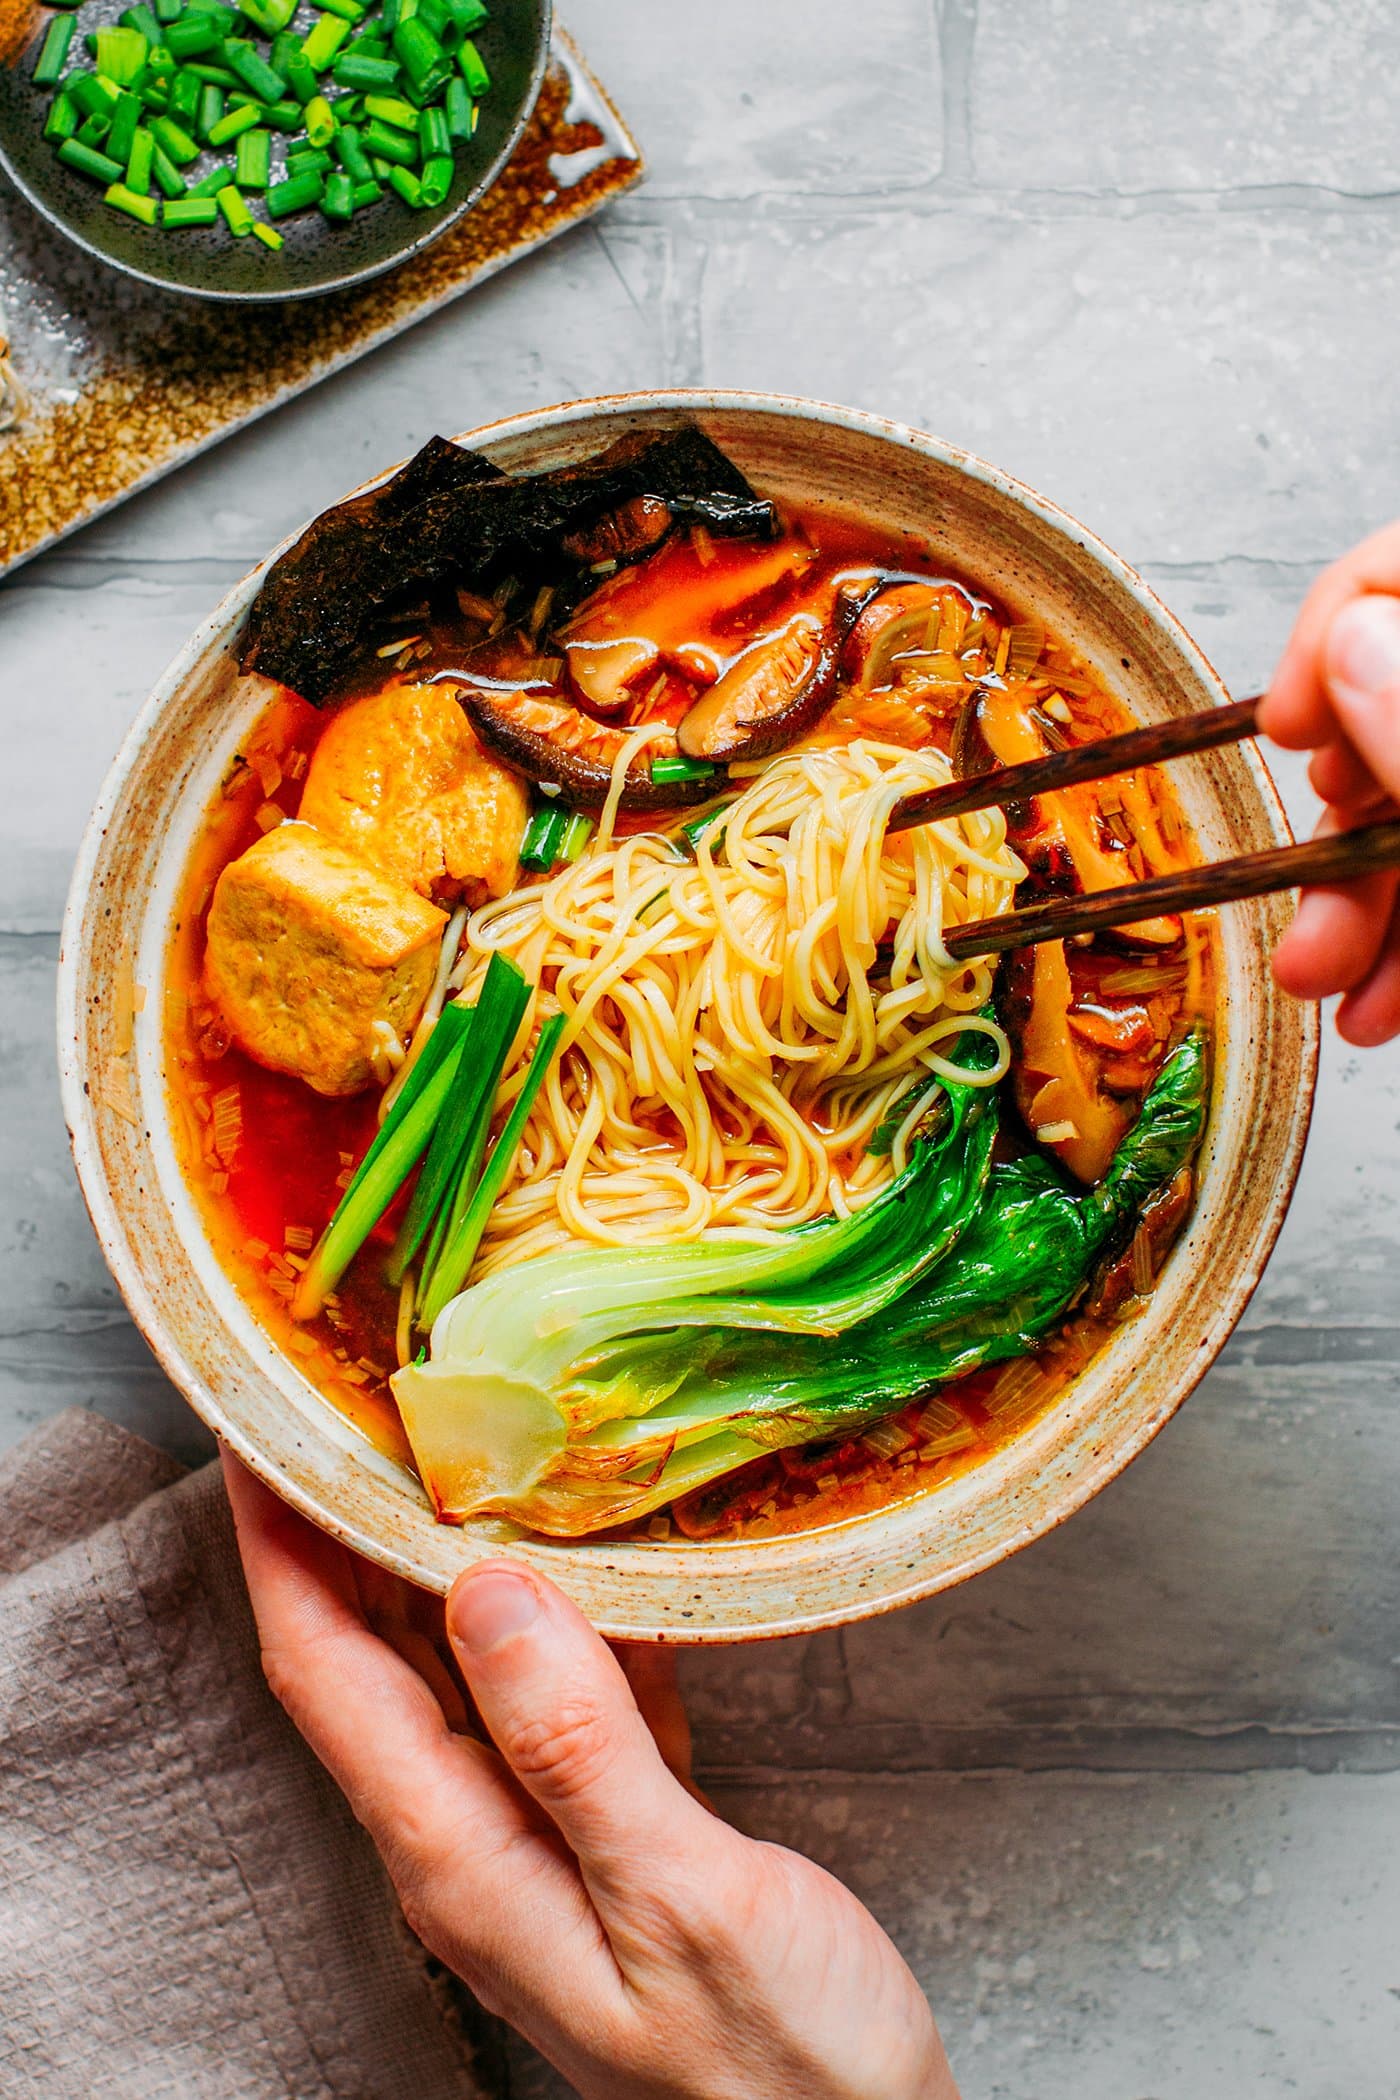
[[1336, 693], [563, 1869]]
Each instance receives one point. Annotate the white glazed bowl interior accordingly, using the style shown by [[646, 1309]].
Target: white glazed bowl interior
[[124, 894]]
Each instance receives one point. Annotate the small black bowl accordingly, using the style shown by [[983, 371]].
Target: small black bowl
[[319, 254]]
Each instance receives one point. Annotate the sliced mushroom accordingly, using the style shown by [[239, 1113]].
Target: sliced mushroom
[[606, 673], [1058, 840], [1057, 1084], [775, 692], [864, 660], [622, 535], [566, 752]]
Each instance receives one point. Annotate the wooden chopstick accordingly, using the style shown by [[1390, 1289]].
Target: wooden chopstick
[[1340, 858], [1097, 761]]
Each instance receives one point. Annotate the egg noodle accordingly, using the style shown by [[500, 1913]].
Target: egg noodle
[[743, 1018]]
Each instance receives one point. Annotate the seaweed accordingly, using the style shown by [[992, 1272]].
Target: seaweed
[[451, 514]]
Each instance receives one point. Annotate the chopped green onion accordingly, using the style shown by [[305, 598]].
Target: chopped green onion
[[183, 102], [192, 35], [453, 1265], [692, 831], [94, 97], [252, 165], [437, 16], [125, 119], [169, 181], [468, 14], [539, 849], [254, 72], [236, 213], [189, 211], [222, 16], [338, 196], [62, 119], [93, 131], [121, 57], [281, 116], [421, 55], [143, 22], [367, 193], [575, 836], [295, 194], [138, 166], [433, 135], [324, 38], [351, 154], [436, 179], [53, 52], [129, 201], [666, 770], [319, 119], [458, 106], [211, 109], [405, 183], [474, 69], [309, 161], [268, 235], [100, 167], [166, 11], [356, 71], [211, 76], [211, 185], [301, 77], [152, 95], [392, 109], [173, 139], [389, 145], [233, 124]]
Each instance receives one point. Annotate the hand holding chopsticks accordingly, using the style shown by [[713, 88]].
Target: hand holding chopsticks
[[1340, 858]]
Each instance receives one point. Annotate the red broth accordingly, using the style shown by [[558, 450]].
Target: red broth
[[267, 1157]]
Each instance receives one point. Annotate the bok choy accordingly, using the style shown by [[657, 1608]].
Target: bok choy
[[581, 1391]]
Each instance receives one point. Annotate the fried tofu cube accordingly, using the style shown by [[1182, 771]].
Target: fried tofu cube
[[311, 956], [400, 777]]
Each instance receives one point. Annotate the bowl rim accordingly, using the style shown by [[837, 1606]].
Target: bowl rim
[[281, 296], [113, 1232]]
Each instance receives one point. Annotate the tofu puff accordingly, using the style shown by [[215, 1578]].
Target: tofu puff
[[400, 779], [312, 955]]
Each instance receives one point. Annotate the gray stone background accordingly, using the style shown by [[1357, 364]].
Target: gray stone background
[[1130, 1804]]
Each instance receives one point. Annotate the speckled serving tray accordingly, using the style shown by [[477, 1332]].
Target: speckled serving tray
[[112, 383]]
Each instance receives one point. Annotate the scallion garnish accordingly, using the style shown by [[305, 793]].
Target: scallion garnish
[[666, 770], [453, 1264], [466, 1116], [539, 849], [399, 1144]]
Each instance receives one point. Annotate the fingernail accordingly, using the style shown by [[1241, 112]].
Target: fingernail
[[1363, 649], [489, 1608]]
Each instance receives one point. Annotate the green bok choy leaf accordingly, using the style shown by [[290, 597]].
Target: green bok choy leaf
[[570, 1415]]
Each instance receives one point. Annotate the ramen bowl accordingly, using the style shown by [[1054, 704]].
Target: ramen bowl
[[126, 892]]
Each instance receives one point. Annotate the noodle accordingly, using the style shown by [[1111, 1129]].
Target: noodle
[[740, 1023]]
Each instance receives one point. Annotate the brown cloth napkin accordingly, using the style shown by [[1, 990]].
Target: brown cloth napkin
[[187, 1907]]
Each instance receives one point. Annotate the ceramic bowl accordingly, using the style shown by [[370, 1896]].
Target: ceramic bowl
[[128, 875], [318, 254]]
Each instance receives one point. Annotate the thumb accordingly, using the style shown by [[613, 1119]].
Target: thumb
[[1362, 669], [562, 1715]]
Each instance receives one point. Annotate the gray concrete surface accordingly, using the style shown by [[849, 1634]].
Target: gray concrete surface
[[1129, 1804]]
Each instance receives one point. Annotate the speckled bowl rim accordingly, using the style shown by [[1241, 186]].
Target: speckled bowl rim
[[576, 1564]]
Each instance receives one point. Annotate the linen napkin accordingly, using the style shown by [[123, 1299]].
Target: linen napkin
[[187, 1907]]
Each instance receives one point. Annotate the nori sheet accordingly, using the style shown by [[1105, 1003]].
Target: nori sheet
[[450, 515]]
